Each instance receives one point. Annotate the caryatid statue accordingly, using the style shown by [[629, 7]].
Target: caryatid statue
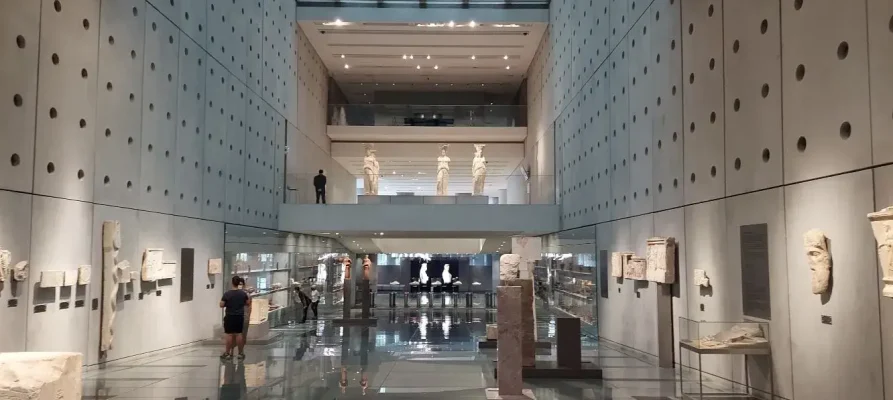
[[346, 263], [367, 265], [443, 171], [478, 170], [370, 172]]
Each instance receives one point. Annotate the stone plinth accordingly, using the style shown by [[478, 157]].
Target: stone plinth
[[40, 376], [492, 332], [346, 306], [568, 342], [528, 319], [509, 354], [365, 300]]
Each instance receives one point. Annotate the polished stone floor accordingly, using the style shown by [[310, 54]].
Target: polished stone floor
[[409, 354]]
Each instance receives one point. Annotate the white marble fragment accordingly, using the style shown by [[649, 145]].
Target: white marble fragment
[[52, 278], [70, 278], [478, 170], [509, 266], [84, 272], [259, 310], [215, 266], [701, 278], [168, 270], [635, 268], [152, 264], [111, 278], [443, 171], [40, 376], [5, 260], [492, 331], [619, 259], [816, 246], [882, 227], [20, 271], [370, 172], [661, 259]]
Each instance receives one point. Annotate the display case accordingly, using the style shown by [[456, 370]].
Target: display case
[[738, 338], [573, 285]]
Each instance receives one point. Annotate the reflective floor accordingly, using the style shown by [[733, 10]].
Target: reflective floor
[[410, 354]]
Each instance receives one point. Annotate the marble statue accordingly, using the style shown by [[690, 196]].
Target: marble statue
[[882, 227], [112, 270], [423, 273], [215, 266], [635, 268], [84, 272], [819, 259], [661, 260], [20, 271], [41, 376], [342, 117], [478, 170], [52, 279], [370, 172], [152, 264], [446, 275], [619, 259], [346, 264], [736, 336], [259, 310], [5, 260], [367, 265], [701, 278], [509, 267], [443, 171]]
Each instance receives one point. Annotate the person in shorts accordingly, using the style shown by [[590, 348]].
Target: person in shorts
[[234, 303]]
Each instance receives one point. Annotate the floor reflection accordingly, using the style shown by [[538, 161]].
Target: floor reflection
[[428, 353]]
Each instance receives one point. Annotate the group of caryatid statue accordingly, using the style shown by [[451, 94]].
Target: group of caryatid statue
[[371, 171]]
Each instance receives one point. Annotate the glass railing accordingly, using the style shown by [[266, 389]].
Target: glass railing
[[413, 189], [503, 4], [427, 115]]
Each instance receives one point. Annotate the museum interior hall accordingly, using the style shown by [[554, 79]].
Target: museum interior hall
[[446, 199]]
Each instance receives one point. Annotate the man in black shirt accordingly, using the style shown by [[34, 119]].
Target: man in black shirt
[[234, 302], [319, 182]]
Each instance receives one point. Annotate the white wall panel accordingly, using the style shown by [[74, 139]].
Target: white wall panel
[[155, 231], [193, 20], [190, 133], [666, 48], [236, 157], [160, 113], [254, 39], [601, 129], [672, 224], [215, 153], [752, 49], [641, 98], [880, 41], [18, 80], [620, 21], [702, 64], [643, 335], [122, 31], [235, 50], [619, 135], [837, 206], [15, 237], [66, 102], [825, 83], [53, 248]]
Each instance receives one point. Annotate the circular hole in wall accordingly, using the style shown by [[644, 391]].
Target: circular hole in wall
[[737, 104], [843, 50], [691, 29], [86, 24], [17, 100], [660, 187], [80, 174], [106, 180], [132, 53], [673, 44], [691, 78], [801, 72], [735, 46], [691, 128], [713, 117], [108, 132], [15, 160], [712, 64], [148, 189], [108, 86], [51, 168], [84, 73], [55, 59], [713, 171], [674, 136], [801, 144], [845, 130], [57, 6], [82, 123], [150, 148], [673, 90], [764, 26], [765, 155], [135, 11], [20, 41], [130, 140], [765, 90], [53, 113], [798, 4], [675, 183], [129, 184], [737, 163], [692, 178], [710, 11], [659, 144]]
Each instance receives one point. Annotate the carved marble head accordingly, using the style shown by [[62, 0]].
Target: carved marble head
[[479, 150], [370, 150], [816, 246], [443, 148]]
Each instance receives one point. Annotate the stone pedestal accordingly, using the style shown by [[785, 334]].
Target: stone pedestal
[[348, 299], [366, 299], [528, 319], [509, 353], [492, 332], [568, 344], [41, 376]]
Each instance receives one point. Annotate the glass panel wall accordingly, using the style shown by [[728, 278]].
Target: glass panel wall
[[567, 275]]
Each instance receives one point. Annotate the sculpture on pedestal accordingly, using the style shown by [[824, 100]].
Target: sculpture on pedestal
[[509, 267], [635, 268], [478, 170], [882, 227], [661, 260], [819, 258], [443, 171], [346, 264], [423, 274], [446, 275], [367, 265], [370, 172]]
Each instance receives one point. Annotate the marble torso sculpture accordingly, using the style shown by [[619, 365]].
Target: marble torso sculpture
[[478, 170], [701, 278], [661, 259], [370, 172], [446, 275], [367, 265], [635, 268], [443, 171], [816, 245], [346, 264], [423, 274], [509, 267], [882, 227]]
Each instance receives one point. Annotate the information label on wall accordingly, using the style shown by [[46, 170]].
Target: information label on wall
[[755, 271], [603, 266]]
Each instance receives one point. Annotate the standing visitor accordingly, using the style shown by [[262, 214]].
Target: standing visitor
[[305, 301], [234, 302], [319, 183], [314, 298]]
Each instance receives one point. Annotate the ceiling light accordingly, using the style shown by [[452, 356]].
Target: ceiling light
[[472, 24], [473, 57], [508, 67], [436, 67], [342, 56], [451, 24], [429, 57], [346, 66], [404, 56], [411, 57], [336, 22], [506, 26], [418, 67], [505, 57]]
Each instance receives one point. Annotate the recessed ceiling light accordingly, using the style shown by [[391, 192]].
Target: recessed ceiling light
[[342, 56], [429, 57], [472, 24], [436, 67], [508, 67], [418, 67], [411, 56], [451, 24], [505, 57], [346, 66], [382, 234], [336, 22], [404, 56]]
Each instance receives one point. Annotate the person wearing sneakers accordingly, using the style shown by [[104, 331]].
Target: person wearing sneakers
[[234, 302]]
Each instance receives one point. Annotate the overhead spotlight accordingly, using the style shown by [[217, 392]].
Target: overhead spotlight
[[346, 66], [404, 56], [381, 234], [429, 57], [436, 67], [418, 67], [336, 22], [411, 57], [508, 67], [472, 24], [451, 24], [505, 57], [473, 57], [342, 56]]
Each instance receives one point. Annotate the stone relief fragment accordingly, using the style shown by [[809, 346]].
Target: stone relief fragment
[[70, 278], [635, 268], [84, 272], [111, 279], [20, 271], [5, 259], [509, 266], [661, 259], [168, 270], [259, 310], [41, 375], [701, 278], [52, 279], [816, 245], [152, 264], [215, 266], [882, 227], [619, 259]]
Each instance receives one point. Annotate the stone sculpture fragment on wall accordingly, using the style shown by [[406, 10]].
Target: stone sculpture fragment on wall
[[5, 260], [112, 271], [882, 227], [70, 278], [661, 260], [259, 310], [816, 245], [84, 272], [52, 279], [153, 264], [619, 259], [701, 278], [635, 268], [41, 375], [215, 266], [20, 271], [509, 267], [168, 270]]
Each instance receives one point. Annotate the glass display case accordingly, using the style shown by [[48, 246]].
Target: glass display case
[[567, 274], [729, 374]]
